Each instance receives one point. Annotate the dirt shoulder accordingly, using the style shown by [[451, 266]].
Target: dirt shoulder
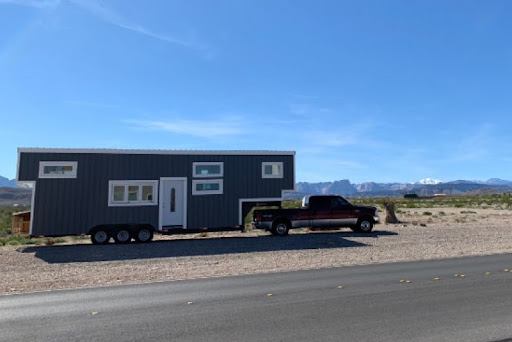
[[427, 234]]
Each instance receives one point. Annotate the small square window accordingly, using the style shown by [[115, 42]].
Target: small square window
[[272, 170]]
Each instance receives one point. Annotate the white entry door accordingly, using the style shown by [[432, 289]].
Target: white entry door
[[173, 202]]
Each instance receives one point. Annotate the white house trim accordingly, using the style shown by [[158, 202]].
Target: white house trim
[[265, 175], [176, 152], [32, 185], [44, 163], [208, 192], [211, 175], [126, 203], [253, 200]]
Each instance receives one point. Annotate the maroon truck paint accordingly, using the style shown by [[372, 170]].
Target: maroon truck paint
[[316, 212]]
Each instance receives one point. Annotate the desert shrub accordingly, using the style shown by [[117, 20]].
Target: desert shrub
[[442, 213], [12, 243], [49, 241], [468, 212], [411, 204], [427, 213], [26, 241]]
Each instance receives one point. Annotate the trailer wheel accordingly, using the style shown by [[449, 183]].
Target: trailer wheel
[[144, 235], [122, 236], [100, 237], [281, 228]]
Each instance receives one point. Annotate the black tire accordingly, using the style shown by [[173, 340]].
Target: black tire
[[122, 236], [281, 228], [100, 237], [144, 234], [364, 225]]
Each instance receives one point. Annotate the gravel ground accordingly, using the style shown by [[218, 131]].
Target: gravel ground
[[448, 232]]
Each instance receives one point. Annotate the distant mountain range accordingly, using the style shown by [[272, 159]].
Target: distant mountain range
[[11, 194], [6, 182], [424, 187], [18, 197]]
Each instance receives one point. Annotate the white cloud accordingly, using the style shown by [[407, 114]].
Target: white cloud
[[198, 128], [102, 12], [108, 15]]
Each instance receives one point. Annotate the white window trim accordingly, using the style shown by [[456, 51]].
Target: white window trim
[[208, 192], [43, 164], [263, 175], [197, 175], [127, 183]]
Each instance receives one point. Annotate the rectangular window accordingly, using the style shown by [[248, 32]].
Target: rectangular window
[[132, 192], [272, 170], [208, 187], [208, 169], [57, 169]]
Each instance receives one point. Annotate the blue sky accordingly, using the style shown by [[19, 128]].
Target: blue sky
[[363, 90]]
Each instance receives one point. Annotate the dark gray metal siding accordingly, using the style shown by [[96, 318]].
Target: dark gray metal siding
[[73, 206]]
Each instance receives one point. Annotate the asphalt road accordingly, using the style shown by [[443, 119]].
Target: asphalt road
[[373, 305]]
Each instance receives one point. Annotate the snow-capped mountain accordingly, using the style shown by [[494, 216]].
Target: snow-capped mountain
[[428, 181]]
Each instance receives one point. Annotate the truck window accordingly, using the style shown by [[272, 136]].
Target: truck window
[[339, 203], [320, 203]]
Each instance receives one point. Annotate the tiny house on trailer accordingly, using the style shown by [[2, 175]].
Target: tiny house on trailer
[[125, 194]]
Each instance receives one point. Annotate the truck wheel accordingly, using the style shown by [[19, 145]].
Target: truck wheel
[[364, 225], [100, 237], [122, 236], [144, 235], [281, 228]]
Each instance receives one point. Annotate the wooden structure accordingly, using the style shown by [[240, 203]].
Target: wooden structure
[[21, 222]]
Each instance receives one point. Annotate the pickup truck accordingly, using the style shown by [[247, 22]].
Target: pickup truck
[[317, 212]]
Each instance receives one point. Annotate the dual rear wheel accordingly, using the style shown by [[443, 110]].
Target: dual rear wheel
[[280, 228], [364, 225]]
